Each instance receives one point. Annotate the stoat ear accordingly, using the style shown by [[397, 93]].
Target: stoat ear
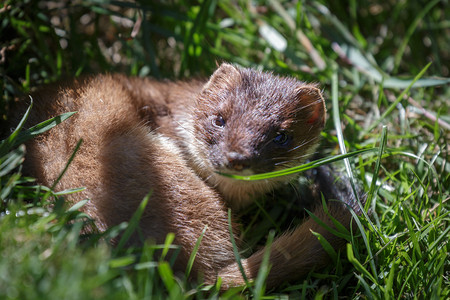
[[312, 102], [224, 77]]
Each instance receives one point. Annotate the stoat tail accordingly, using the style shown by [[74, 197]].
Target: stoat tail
[[293, 255]]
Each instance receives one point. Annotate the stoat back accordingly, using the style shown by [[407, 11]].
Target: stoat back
[[115, 116]]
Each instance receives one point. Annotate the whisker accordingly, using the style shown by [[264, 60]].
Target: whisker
[[294, 187], [303, 143], [294, 159], [304, 156], [265, 145]]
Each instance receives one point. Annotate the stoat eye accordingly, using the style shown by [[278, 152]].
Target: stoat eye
[[281, 139], [218, 121]]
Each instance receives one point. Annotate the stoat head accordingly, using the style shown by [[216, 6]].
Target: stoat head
[[248, 122]]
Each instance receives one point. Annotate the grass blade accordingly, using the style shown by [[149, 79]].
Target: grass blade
[[263, 271], [399, 98], [237, 256], [194, 251], [133, 224], [12, 160], [358, 265], [301, 168], [410, 31], [77, 147]]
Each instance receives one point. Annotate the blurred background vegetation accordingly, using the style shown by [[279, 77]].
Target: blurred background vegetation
[[369, 51]]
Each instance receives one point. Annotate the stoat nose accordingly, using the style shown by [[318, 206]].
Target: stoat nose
[[237, 161]]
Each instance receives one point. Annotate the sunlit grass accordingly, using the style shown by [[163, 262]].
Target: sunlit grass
[[384, 71]]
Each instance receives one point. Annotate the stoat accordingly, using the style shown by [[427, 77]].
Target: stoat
[[174, 139]]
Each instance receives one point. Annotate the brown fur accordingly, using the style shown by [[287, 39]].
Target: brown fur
[[141, 135]]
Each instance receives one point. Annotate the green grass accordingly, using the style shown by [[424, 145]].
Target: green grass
[[365, 55]]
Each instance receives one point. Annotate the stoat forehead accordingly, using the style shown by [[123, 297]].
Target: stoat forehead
[[257, 95]]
